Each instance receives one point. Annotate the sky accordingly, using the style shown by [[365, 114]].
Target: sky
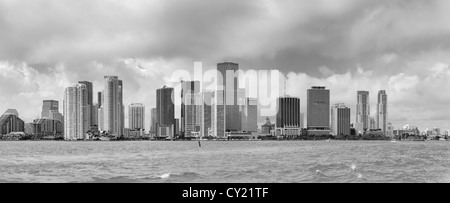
[[401, 46]]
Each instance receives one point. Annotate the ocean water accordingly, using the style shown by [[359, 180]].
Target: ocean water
[[225, 162]]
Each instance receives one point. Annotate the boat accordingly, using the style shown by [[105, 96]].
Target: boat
[[393, 140], [329, 140]]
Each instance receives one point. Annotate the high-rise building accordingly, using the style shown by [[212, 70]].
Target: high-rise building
[[228, 81], [206, 111], [113, 110], [288, 117], [362, 112], [372, 123], [190, 107], [318, 111], [136, 113], [218, 120], [193, 115], [340, 120], [382, 114], [76, 112], [90, 90], [11, 123], [154, 115], [249, 115], [47, 106], [165, 108]]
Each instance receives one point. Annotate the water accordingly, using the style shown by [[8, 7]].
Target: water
[[224, 162]]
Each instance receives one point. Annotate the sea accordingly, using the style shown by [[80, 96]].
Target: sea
[[225, 162]]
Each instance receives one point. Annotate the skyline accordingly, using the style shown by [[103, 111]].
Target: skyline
[[346, 46]]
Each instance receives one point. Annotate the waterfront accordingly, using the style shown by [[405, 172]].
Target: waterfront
[[218, 162]]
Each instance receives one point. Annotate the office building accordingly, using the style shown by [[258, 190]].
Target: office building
[[228, 81], [11, 123], [249, 115], [340, 120], [318, 111], [288, 117], [206, 111], [47, 106], [191, 107], [165, 108]]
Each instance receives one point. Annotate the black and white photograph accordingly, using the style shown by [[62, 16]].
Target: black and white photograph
[[224, 91]]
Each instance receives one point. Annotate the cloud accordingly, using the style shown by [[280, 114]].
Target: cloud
[[48, 44]]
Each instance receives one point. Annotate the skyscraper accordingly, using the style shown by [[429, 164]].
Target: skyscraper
[[318, 111], [93, 126], [154, 115], [340, 120], [362, 112], [47, 106], [382, 114], [76, 112], [288, 117], [165, 108], [206, 111], [228, 81], [136, 113], [249, 115], [190, 107], [113, 111], [218, 120]]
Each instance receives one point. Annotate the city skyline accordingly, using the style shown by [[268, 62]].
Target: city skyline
[[347, 46]]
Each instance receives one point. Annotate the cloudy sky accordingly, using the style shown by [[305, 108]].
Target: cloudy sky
[[402, 46]]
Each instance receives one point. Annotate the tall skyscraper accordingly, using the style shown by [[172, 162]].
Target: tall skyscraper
[[47, 106], [76, 112], [193, 115], [362, 112], [318, 111], [165, 108], [153, 119], [190, 106], [90, 90], [382, 114], [100, 114], [249, 115], [136, 113], [218, 120], [228, 72], [113, 110], [206, 111], [340, 120], [288, 117]]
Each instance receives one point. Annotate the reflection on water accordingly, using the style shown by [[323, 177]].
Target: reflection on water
[[217, 162]]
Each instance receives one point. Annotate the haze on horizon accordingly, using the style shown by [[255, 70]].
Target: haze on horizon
[[401, 46]]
